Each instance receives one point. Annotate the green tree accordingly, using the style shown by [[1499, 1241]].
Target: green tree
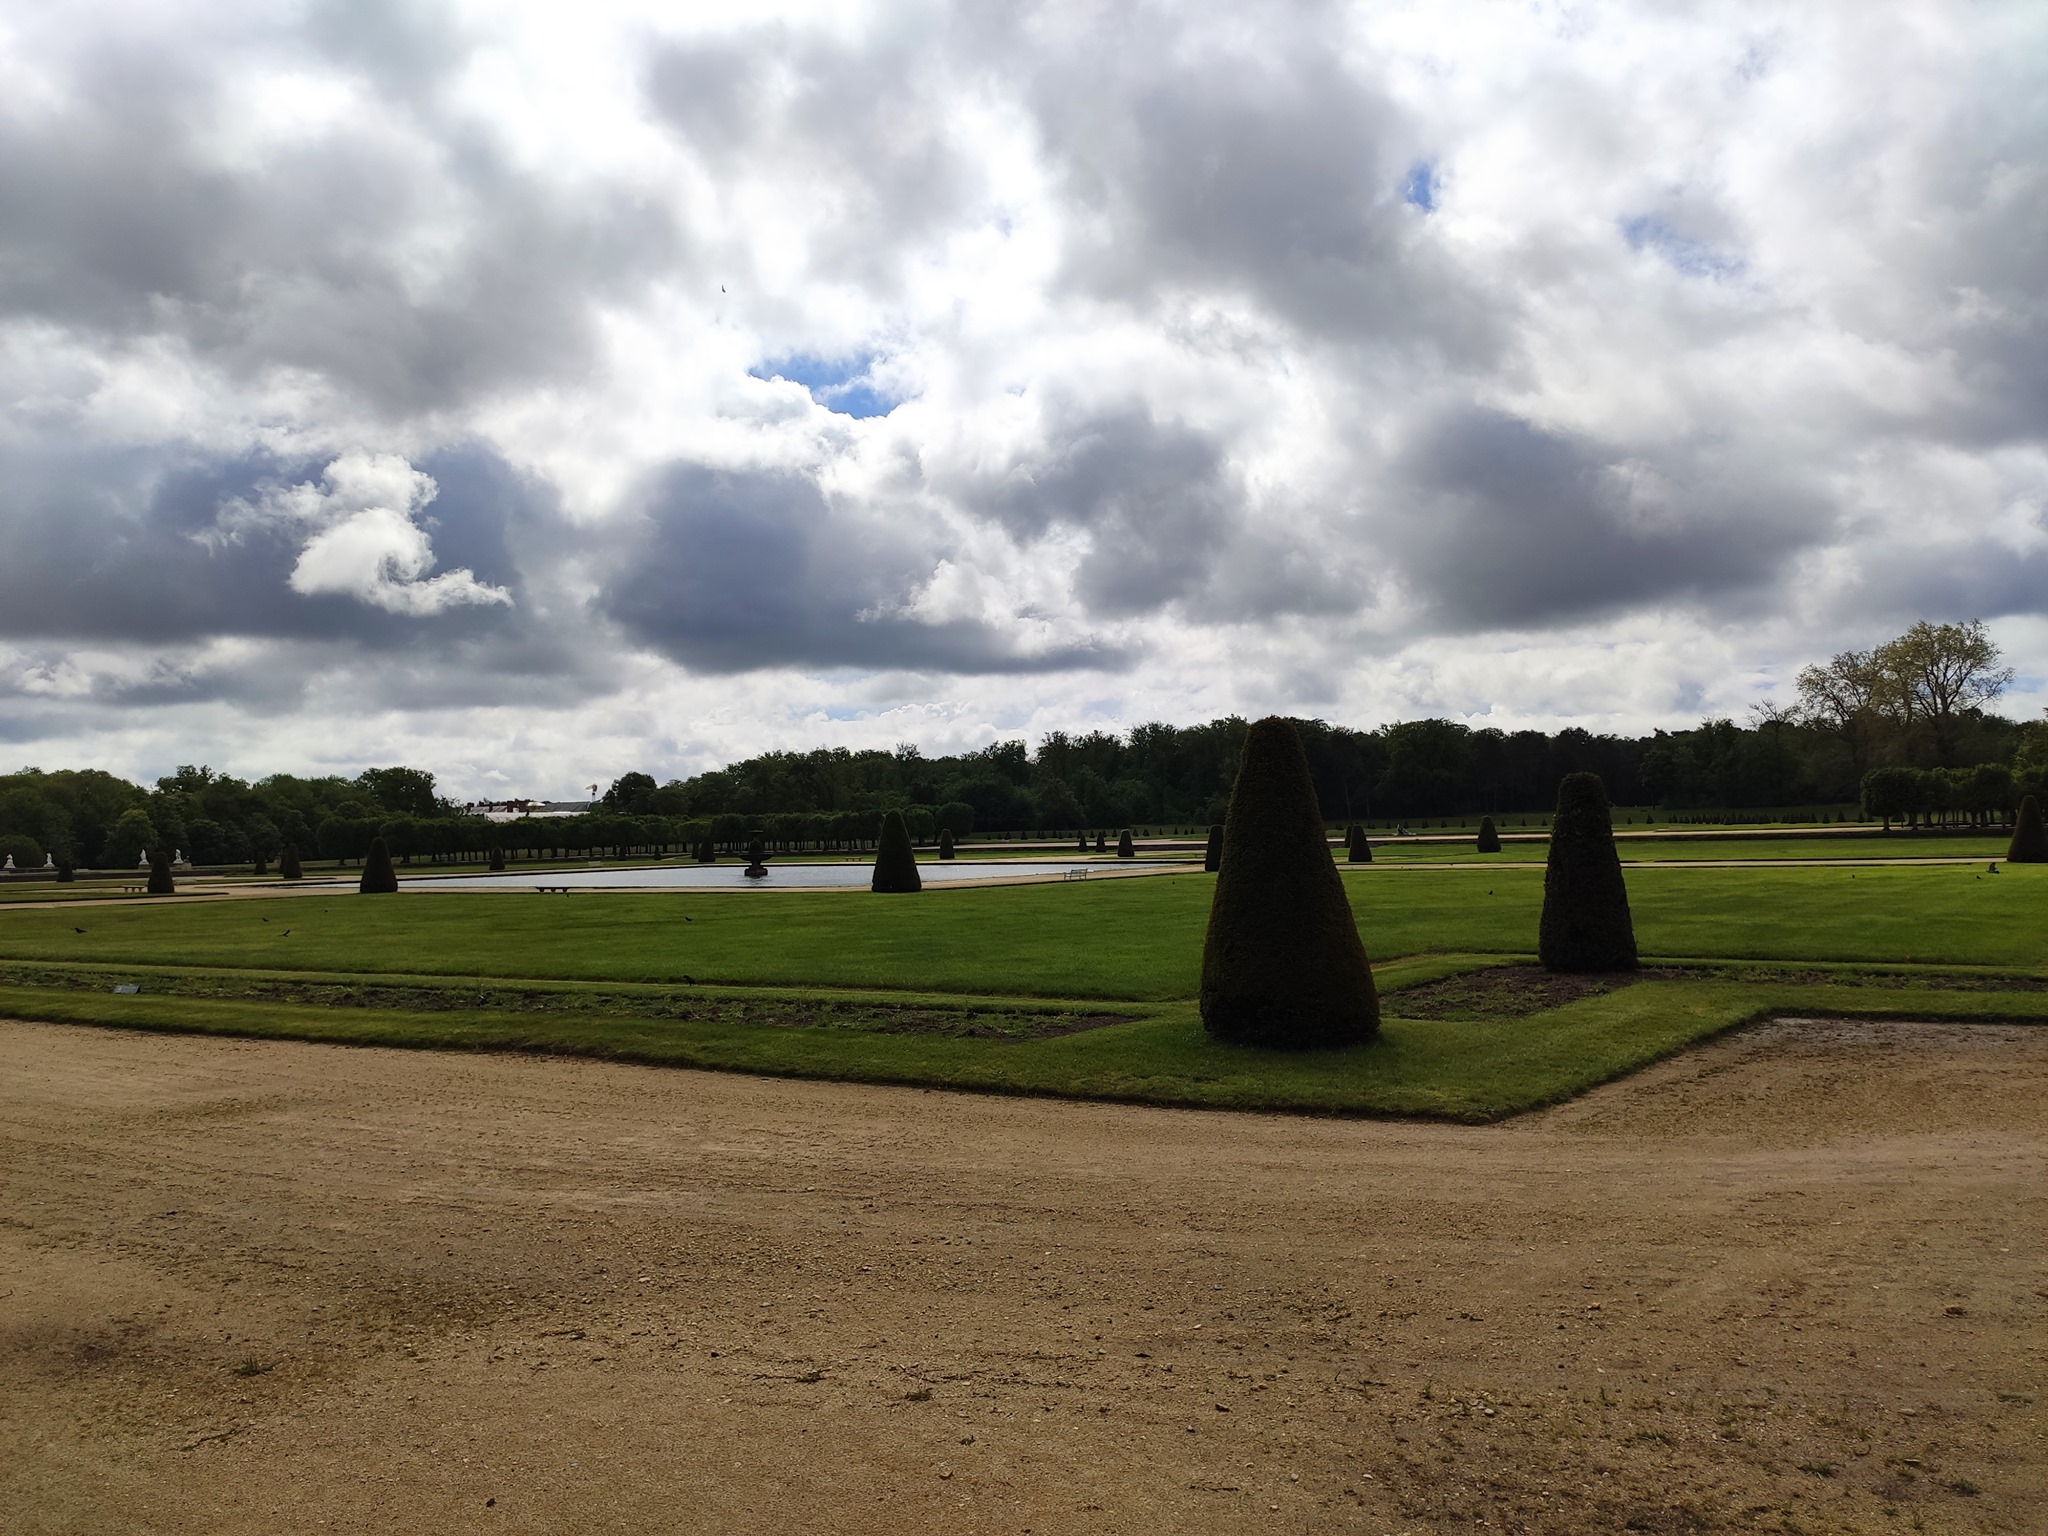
[[1891, 794], [1282, 963], [401, 791], [1846, 699], [1935, 673], [1585, 924], [132, 837]]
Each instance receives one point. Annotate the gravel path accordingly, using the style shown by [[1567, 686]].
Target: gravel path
[[1791, 1281]]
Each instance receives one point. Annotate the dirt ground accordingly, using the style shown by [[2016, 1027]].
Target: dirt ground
[[1793, 1281]]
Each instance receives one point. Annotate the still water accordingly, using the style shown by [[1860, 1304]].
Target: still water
[[730, 876]]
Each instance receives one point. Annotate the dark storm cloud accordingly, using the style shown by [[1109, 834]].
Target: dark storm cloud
[[409, 265], [1156, 499], [732, 570], [1496, 523], [128, 548], [864, 125], [1267, 171]]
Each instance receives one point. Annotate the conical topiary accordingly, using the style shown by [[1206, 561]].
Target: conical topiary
[[945, 842], [2029, 838], [497, 863], [1212, 856], [288, 867], [379, 878], [1357, 850], [706, 854], [1282, 965], [160, 881], [1125, 849], [66, 872], [1081, 843], [1102, 842], [1489, 839], [1585, 924], [895, 864]]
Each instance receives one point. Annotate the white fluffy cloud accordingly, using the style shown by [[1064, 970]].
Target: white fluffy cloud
[[622, 387], [361, 537]]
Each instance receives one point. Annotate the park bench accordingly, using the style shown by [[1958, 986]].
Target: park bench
[[1075, 874], [552, 890]]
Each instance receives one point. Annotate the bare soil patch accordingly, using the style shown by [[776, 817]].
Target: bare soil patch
[[1788, 1282], [964, 1022], [1502, 992]]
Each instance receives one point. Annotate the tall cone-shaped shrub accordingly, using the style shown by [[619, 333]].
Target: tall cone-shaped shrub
[[378, 875], [945, 842], [1357, 850], [160, 881], [1081, 843], [1489, 839], [1283, 965], [497, 864], [1125, 849], [2029, 838], [1585, 926], [1212, 856], [895, 864], [288, 866]]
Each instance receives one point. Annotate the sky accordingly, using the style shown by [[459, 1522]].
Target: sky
[[534, 393]]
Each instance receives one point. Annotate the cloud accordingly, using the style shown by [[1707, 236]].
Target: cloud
[[361, 538], [630, 379], [732, 570]]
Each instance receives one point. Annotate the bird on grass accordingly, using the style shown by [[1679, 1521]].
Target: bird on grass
[[76, 929]]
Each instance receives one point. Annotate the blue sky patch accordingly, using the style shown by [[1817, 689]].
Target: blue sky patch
[[1695, 258], [837, 383], [1419, 190]]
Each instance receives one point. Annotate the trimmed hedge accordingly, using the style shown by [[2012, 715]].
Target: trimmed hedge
[[160, 881], [288, 865], [1357, 848], [379, 878], [946, 842], [1212, 856], [2029, 843], [1489, 839], [1125, 849], [1282, 964], [1585, 924], [895, 863]]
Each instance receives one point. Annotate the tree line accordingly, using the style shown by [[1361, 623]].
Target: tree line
[[1907, 729]]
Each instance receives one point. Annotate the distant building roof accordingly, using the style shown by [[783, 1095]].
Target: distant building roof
[[512, 810]]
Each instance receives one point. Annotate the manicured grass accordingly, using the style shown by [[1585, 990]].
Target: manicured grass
[[1634, 850], [817, 984], [1437, 1068], [1133, 939]]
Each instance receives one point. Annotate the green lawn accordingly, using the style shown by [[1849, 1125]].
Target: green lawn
[[669, 977], [1986, 846], [1136, 939]]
